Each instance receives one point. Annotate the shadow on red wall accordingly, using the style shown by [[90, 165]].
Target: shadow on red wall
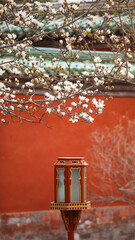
[[28, 152]]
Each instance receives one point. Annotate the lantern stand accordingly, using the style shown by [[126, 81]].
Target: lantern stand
[[70, 191]]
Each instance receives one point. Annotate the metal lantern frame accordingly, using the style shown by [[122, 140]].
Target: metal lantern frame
[[70, 191]]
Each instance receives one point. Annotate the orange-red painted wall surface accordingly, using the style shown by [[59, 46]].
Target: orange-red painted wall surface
[[28, 152]]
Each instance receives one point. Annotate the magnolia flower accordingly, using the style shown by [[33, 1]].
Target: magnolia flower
[[46, 75], [99, 110], [56, 88], [2, 86], [48, 4], [49, 96], [11, 108], [3, 120], [37, 4], [74, 104], [11, 36], [123, 72], [48, 110], [74, 119], [90, 111], [30, 91], [63, 114], [69, 109], [82, 98], [22, 14], [84, 106], [1, 72], [69, 47], [129, 55], [107, 6], [15, 71], [61, 9], [108, 31], [1, 101], [98, 104], [61, 42], [98, 81], [28, 4], [32, 60], [118, 61], [114, 38], [19, 106], [97, 59], [130, 75], [88, 30], [29, 84], [84, 115], [74, 6], [87, 100], [85, 73], [90, 119], [12, 95], [67, 88]]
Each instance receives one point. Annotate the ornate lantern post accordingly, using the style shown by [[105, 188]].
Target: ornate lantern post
[[70, 191]]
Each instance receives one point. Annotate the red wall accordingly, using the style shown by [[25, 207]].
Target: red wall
[[28, 152]]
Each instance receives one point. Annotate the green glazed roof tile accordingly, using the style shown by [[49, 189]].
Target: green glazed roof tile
[[83, 63]]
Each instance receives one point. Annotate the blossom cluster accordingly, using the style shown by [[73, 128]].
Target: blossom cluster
[[64, 93]]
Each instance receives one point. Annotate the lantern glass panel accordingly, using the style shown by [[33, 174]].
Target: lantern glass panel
[[75, 185], [85, 184], [60, 185]]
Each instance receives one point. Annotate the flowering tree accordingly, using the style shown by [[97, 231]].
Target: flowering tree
[[64, 92], [112, 166]]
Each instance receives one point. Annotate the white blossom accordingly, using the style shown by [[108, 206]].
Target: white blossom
[[90, 119], [85, 106], [3, 120], [84, 115], [48, 4], [61, 42], [20, 106], [130, 75], [98, 82], [66, 91], [12, 95], [97, 59], [74, 6], [1, 101], [74, 104], [108, 31], [74, 118], [69, 109], [29, 84], [85, 73], [11, 108], [1, 72], [2, 86], [48, 110], [90, 111], [16, 71], [82, 98]]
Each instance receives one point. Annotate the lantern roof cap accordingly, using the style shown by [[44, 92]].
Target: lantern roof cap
[[71, 161], [70, 158]]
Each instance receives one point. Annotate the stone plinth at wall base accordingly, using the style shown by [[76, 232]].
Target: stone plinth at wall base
[[108, 223]]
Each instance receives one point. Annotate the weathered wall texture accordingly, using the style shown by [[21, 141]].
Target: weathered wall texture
[[115, 223]]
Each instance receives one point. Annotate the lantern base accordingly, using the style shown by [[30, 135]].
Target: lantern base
[[71, 220], [70, 206]]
